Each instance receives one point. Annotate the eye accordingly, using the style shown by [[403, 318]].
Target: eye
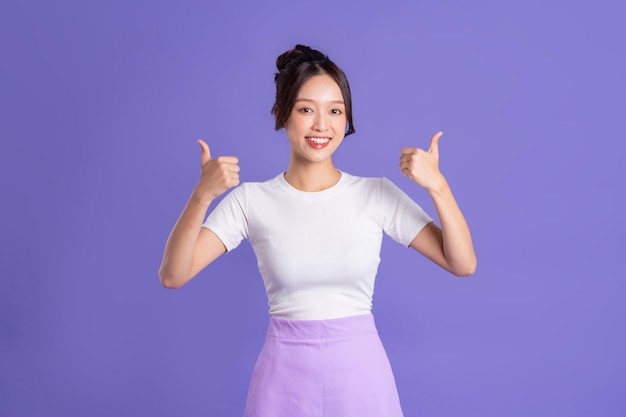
[[305, 110], [336, 111]]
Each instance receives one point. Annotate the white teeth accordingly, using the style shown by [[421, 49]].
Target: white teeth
[[318, 140]]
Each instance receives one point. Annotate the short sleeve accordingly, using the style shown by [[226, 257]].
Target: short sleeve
[[403, 218], [228, 219]]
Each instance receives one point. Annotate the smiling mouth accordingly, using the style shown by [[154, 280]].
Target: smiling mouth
[[318, 142]]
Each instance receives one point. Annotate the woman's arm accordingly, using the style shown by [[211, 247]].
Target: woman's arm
[[190, 248], [451, 246]]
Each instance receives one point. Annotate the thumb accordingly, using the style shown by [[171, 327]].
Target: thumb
[[206, 152], [434, 143]]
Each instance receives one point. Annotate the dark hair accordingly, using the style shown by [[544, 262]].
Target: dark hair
[[297, 66]]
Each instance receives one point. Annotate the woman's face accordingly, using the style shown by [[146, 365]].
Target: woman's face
[[317, 123]]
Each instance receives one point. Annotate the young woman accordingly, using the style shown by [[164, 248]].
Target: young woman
[[317, 233]]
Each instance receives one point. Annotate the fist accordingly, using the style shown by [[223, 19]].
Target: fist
[[217, 175], [423, 166]]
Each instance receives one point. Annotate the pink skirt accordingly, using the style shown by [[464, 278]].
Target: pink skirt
[[323, 368]]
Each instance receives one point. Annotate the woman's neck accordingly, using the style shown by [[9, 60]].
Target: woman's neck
[[312, 177]]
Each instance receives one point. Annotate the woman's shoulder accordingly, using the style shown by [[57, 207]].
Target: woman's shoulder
[[263, 186], [366, 181]]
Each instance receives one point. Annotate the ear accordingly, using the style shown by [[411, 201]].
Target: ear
[[275, 112]]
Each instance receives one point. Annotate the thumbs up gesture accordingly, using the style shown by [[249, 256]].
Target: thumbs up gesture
[[423, 166], [217, 175]]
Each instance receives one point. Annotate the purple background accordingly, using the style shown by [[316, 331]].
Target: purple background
[[101, 107]]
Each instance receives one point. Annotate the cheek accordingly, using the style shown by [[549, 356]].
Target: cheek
[[342, 122], [294, 121]]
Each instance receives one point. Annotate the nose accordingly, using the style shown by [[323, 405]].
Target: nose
[[320, 123]]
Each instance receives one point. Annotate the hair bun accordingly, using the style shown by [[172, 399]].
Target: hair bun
[[298, 55]]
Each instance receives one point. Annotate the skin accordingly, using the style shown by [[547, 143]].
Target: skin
[[451, 245], [318, 114]]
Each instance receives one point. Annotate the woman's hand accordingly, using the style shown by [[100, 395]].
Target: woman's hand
[[190, 247], [423, 166], [217, 175], [451, 246]]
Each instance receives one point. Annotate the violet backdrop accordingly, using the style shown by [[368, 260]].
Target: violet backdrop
[[101, 104]]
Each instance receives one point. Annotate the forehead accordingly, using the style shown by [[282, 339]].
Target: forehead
[[320, 88]]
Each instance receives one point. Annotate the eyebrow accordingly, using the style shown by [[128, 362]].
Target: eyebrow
[[308, 100]]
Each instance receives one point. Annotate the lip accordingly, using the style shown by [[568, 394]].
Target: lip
[[317, 144]]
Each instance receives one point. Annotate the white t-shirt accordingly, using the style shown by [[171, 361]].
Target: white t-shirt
[[318, 252]]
